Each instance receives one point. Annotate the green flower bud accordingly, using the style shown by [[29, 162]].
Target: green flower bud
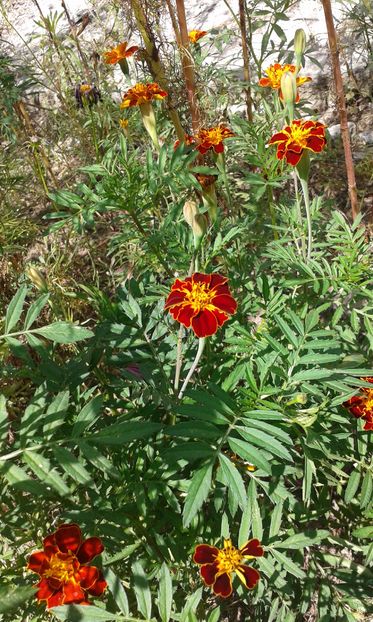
[[299, 42], [289, 88]]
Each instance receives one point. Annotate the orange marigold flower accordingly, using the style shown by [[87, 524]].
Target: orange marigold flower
[[118, 53], [64, 576], [295, 138], [141, 94], [212, 138], [217, 565], [361, 406], [123, 123], [274, 75], [196, 35], [202, 302]]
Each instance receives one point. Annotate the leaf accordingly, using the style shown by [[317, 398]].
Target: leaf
[[264, 440], [120, 433], [123, 554], [165, 594], [352, 486], [4, 421], [142, 591], [55, 413], [14, 310], [198, 492], [83, 613], [303, 539], [117, 590], [311, 374], [34, 310], [64, 332], [366, 490], [289, 565], [87, 416], [250, 453], [191, 604], [12, 596], [72, 466], [214, 615], [42, 468], [233, 479], [276, 518], [18, 478]]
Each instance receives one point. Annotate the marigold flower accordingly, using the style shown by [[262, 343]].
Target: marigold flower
[[295, 138], [202, 302], [65, 577], [274, 75], [115, 55], [142, 94], [361, 406], [212, 138], [196, 35], [217, 565], [123, 123]]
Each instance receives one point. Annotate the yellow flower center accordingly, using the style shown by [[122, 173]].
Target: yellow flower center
[[61, 568], [299, 135], [275, 74], [229, 558], [85, 87], [369, 401], [200, 296]]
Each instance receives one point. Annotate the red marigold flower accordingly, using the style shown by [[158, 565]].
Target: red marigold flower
[[196, 35], [142, 94], [118, 53], [361, 406], [295, 138], [202, 302], [274, 75], [65, 577], [212, 138], [217, 565]]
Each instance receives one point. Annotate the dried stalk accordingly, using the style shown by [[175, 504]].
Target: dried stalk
[[155, 64], [246, 61], [334, 53], [188, 67], [76, 40]]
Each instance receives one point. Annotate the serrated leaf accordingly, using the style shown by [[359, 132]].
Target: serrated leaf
[[117, 590], [234, 480], [250, 453], [12, 596], [72, 466], [56, 411], [352, 486], [198, 492], [301, 540], [191, 604], [34, 310], [14, 310], [87, 416], [64, 332], [42, 468], [289, 565], [366, 490], [142, 591], [98, 459], [120, 433], [80, 613], [165, 594], [264, 440]]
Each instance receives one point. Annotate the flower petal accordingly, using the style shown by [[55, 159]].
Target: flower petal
[[45, 591], [278, 138], [37, 561], [292, 157], [184, 314], [205, 554], [205, 323], [223, 586], [55, 599], [89, 549], [252, 548], [68, 538], [199, 277], [225, 303], [316, 143], [249, 576], [88, 575], [208, 573], [98, 587], [72, 593]]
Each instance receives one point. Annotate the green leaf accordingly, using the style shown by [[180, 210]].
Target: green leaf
[[64, 332], [214, 615], [198, 492], [14, 310], [117, 590], [311, 374], [165, 594], [303, 539], [233, 479], [18, 478], [4, 421], [34, 310], [120, 433], [12, 596], [80, 613], [276, 518], [56, 411], [288, 565], [42, 468], [142, 591], [363, 532], [97, 459], [123, 554], [265, 441], [352, 486], [87, 416], [366, 490], [191, 604], [72, 466], [250, 453]]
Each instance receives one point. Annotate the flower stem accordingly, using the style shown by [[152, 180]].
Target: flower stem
[[179, 351], [306, 196], [201, 345], [220, 161], [299, 215]]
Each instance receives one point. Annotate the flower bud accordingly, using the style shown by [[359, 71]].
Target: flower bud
[[36, 278], [190, 210], [199, 228], [288, 88], [299, 42]]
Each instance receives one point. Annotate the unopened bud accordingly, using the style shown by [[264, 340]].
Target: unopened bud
[[190, 210], [299, 42], [36, 278], [288, 88]]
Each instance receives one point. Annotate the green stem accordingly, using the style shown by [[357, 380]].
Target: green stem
[[201, 346], [179, 358], [220, 161], [306, 197], [299, 214]]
